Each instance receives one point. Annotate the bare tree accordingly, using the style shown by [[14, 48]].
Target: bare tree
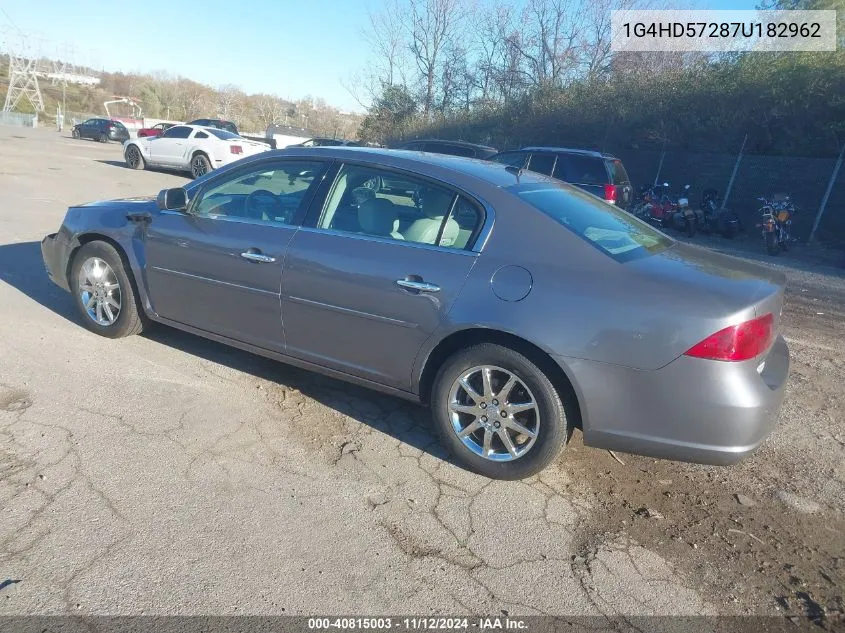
[[549, 40], [230, 101], [387, 35], [192, 98], [269, 109], [433, 25]]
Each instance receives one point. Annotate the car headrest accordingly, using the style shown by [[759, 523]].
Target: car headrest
[[378, 216]]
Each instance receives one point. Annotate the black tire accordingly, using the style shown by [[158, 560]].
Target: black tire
[[689, 226], [133, 157], [200, 165], [130, 319], [784, 244], [771, 244], [74, 133], [552, 431], [104, 138]]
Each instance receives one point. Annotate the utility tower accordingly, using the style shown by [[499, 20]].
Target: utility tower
[[23, 75]]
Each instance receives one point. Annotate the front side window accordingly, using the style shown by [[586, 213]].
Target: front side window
[[179, 131], [604, 226], [273, 194], [376, 203]]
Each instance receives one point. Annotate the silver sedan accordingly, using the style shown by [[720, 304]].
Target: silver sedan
[[514, 305]]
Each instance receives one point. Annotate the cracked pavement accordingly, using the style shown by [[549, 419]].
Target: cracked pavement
[[166, 474]]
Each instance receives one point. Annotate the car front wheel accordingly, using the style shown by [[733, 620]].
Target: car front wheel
[[133, 157], [497, 412], [103, 292]]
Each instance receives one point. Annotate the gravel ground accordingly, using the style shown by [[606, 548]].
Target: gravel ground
[[167, 474]]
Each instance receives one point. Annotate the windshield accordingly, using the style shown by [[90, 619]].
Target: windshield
[[604, 226], [223, 135]]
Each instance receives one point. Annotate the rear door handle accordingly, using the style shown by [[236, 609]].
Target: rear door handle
[[419, 286], [260, 258]]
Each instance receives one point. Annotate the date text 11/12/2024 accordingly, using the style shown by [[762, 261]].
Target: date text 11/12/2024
[[418, 623]]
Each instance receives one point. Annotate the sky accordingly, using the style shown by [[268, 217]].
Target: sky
[[292, 48]]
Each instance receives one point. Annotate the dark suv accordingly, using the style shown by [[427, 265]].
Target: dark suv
[[453, 148], [103, 130], [600, 174]]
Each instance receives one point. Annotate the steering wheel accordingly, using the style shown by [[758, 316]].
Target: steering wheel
[[263, 205]]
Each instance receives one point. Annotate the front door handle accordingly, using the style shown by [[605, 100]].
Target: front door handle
[[417, 285], [260, 258]]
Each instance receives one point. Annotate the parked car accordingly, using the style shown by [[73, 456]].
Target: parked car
[[189, 148], [156, 130], [103, 130], [453, 148], [327, 142], [600, 174], [515, 305]]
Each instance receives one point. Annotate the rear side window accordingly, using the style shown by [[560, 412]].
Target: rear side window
[[452, 150], [618, 173], [581, 169], [604, 226], [200, 134], [542, 163], [512, 159], [223, 135]]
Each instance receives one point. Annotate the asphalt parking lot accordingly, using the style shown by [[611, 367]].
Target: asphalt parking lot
[[166, 474]]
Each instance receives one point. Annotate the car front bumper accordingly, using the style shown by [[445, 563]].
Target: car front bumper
[[54, 253], [693, 410]]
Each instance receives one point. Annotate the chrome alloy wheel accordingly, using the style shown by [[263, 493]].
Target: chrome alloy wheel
[[198, 166], [99, 291], [494, 413]]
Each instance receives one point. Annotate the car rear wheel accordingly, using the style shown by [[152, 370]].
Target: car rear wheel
[[103, 292], [200, 165], [497, 412], [133, 157]]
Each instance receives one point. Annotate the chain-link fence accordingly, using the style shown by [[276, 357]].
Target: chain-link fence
[[18, 119]]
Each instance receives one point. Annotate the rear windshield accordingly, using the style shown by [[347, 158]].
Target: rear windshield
[[617, 171], [223, 135], [604, 226], [580, 169]]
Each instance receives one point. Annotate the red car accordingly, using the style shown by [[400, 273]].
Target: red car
[[156, 130]]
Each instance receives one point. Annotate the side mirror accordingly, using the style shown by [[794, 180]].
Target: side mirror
[[175, 199]]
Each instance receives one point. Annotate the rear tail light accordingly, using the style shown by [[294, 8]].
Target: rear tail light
[[236, 149], [610, 193], [737, 342]]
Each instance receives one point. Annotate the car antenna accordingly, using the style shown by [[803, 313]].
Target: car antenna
[[516, 171]]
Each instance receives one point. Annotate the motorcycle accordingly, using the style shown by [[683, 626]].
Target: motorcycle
[[683, 216], [714, 219], [776, 222]]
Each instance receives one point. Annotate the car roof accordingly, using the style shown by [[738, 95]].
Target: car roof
[[566, 150], [448, 142], [494, 174]]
